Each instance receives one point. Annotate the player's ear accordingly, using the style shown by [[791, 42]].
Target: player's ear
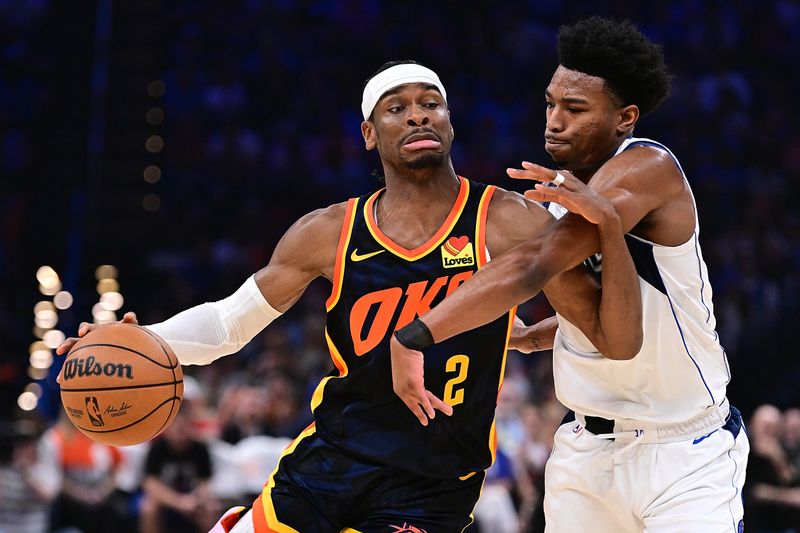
[[368, 132], [628, 116]]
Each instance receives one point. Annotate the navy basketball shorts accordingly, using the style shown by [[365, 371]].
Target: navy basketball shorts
[[318, 488]]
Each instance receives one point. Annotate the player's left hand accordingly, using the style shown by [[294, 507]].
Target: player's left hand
[[408, 382], [572, 193], [535, 338]]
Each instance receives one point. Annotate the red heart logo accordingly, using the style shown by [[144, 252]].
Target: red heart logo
[[458, 243]]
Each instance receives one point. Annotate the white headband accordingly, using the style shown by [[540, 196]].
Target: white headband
[[391, 78]]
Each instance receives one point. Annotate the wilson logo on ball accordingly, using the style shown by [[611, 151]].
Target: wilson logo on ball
[[90, 367]]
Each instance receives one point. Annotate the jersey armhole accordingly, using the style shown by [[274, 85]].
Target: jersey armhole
[[480, 225], [341, 253]]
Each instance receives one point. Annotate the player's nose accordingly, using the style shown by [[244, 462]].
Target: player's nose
[[418, 116]]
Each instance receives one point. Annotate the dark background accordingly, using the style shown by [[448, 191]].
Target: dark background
[[261, 125]]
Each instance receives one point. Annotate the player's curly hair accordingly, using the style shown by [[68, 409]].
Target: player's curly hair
[[632, 67]]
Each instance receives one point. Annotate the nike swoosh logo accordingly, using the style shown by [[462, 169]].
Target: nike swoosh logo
[[355, 257]]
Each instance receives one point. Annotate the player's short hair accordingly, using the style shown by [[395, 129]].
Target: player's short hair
[[632, 66]]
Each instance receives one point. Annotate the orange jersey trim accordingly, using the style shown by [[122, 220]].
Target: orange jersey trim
[[493, 432], [433, 242], [480, 224], [264, 517], [344, 242], [340, 365]]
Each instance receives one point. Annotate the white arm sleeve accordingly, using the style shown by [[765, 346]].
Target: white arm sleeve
[[211, 330]]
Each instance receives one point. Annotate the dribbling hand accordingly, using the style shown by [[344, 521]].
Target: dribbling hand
[[408, 382], [86, 327]]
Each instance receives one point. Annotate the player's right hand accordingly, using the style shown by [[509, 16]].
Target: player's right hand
[[86, 327], [572, 194]]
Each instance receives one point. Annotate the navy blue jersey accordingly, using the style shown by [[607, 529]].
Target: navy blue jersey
[[379, 287]]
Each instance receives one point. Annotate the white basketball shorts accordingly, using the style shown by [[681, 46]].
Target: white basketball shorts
[[646, 480]]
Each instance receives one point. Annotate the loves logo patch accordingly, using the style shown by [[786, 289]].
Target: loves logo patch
[[457, 252]]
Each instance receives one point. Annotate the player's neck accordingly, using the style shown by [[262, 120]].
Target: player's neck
[[412, 208], [428, 186]]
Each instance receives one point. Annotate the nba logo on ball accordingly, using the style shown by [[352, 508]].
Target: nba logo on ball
[[121, 384], [93, 410]]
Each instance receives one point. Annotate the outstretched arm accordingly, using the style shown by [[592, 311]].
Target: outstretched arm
[[211, 330], [636, 183]]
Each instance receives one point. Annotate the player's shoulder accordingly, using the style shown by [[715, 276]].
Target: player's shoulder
[[323, 220], [641, 167], [650, 159], [507, 204], [513, 219]]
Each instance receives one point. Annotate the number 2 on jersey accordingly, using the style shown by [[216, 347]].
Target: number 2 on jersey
[[460, 364]]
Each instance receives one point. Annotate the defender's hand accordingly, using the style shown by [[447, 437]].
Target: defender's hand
[[572, 193], [408, 382], [535, 338]]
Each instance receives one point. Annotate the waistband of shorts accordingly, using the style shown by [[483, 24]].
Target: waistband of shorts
[[625, 429]]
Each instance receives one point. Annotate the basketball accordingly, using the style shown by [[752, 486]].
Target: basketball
[[121, 384]]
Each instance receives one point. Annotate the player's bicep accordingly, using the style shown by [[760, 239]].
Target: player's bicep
[[512, 220], [305, 252]]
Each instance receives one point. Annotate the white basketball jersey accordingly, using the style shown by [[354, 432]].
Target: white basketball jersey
[[681, 368]]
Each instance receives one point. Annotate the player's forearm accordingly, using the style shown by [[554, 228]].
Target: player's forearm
[[620, 309], [508, 280], [211, 330]]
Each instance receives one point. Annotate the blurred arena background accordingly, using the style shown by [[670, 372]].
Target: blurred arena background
[[152, 153]]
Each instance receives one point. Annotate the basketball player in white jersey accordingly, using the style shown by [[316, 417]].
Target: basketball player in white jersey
[[652, 443]]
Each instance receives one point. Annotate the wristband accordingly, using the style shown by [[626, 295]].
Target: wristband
[[415, 336]]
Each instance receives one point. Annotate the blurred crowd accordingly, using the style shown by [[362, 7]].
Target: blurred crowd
[[261, 108]]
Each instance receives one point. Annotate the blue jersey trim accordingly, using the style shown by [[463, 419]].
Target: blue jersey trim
[[702, 281], [645, 263], [655, 144], [686, 347]]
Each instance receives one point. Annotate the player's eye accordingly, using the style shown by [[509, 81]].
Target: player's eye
[[431, 105], [396, 109], [548, 104], [575, 110]]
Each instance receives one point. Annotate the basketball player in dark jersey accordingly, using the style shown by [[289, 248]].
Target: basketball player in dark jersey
[[366, 464]]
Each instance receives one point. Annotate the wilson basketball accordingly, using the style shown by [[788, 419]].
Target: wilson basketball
[[121, 384]]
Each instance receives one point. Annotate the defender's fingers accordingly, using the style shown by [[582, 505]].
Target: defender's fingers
[[84, 328], [130, 318], [438, 404], [546, 174], [543, 195], [520, 174]]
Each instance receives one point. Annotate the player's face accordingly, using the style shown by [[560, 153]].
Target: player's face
[[410, 127], [583, 120]]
